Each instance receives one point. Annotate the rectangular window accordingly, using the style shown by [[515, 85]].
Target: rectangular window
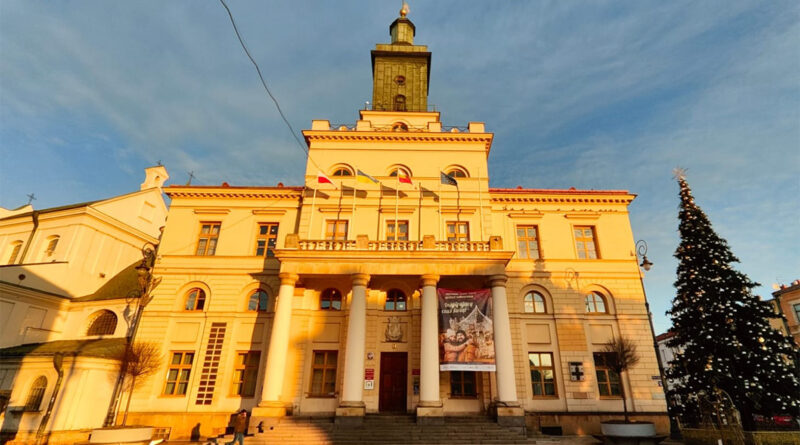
[[585, 242], [266, 239], [543, 376], [14, 252], [457, 231], [336, 229], [180, 366], [797, 312], [462, 384], [245, 373], [323, 374], [608, 381], [528, 242], [401, 234], [207, 241]]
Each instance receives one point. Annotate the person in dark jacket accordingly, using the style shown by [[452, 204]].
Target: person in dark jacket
[[239, 427]]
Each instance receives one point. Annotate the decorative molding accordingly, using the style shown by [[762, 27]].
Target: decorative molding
[[526, 214], [201, 211], [330, 209], [582, 215], [401, 210], [461, 210], [269, 212]]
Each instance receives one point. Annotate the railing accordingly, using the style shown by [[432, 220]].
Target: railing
[[393, 127], [397, 246], [397, 107], [326, 245], [463, 246]]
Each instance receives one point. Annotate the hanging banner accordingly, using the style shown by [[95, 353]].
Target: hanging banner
[[466, 331]]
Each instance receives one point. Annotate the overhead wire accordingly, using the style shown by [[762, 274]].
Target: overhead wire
[[266, 88]]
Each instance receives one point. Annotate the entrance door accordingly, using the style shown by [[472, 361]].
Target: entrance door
[[394, 375]]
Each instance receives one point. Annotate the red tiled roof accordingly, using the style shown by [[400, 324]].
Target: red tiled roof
[[559, 191]]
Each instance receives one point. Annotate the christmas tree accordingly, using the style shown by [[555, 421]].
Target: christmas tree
[[722, 330]]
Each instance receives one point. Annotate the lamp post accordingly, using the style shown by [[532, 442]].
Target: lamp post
[[641, 254], [143, 296]]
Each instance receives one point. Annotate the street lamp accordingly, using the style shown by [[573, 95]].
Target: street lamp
[[641, 252], [146, 282]]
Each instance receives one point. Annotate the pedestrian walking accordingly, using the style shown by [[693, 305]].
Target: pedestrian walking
[[239, 427]]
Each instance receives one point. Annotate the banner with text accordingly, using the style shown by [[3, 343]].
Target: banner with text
[[466, 331]]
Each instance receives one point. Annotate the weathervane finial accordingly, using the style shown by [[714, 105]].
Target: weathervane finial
[[404, 10]]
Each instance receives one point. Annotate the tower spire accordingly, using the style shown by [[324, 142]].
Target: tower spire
[[402, 30], [400, 69]]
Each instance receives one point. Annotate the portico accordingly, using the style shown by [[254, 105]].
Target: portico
[[371, 268]]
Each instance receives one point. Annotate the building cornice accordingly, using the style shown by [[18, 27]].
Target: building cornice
[[397, 136], [556, 196], [234, 192]]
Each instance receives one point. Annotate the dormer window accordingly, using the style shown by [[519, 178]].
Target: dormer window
[[399, 126]]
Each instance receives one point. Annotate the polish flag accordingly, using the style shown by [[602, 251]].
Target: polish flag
[[404, 178], [322, 179]]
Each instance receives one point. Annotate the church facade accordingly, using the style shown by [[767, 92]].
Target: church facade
[[325, 299]]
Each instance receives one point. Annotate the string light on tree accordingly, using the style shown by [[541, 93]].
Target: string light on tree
[[723, 329]]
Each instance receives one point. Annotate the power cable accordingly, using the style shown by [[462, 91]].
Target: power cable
[[264, 83]]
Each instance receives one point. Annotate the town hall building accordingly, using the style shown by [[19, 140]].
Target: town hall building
[[326, 299]]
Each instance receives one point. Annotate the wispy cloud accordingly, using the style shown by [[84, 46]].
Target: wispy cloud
[[592, 95]]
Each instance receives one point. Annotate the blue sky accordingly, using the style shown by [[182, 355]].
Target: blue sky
[[596, 95]]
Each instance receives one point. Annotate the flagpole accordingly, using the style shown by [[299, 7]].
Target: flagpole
[[396, 205], [353, 211], [440, 207], [311, 217], [480, 202], [419, 214]]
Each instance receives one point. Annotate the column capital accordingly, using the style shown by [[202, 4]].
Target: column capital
[[288, 278], [498, 280], [429, 279], [360, 279]]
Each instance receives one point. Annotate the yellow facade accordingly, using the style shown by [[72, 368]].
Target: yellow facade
[[340, 236]]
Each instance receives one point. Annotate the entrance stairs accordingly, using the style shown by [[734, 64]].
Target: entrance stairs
[[387, 429]]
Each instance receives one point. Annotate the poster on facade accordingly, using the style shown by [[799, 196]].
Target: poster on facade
[[466, 331]]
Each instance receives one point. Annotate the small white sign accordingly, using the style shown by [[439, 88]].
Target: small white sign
[[369, 384]]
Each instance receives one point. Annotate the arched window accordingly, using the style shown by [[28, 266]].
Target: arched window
[[330, 300], [534, 303], [36, 394], [401, 170], [596, 303], [399, 126], [102, 323], [51, 245], [195, 300], [395, 300], [457, 173], [258, 301], [342, 171], [399, 103], [15, 248]]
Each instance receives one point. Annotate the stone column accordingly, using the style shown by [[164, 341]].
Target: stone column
[[351, 407], [508, 409], [271, 404], [430, 405]]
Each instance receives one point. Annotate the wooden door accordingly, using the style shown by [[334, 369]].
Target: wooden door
[[393, 381]]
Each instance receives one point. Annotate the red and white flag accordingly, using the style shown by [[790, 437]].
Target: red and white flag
[[404, 178], [322, 179]]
